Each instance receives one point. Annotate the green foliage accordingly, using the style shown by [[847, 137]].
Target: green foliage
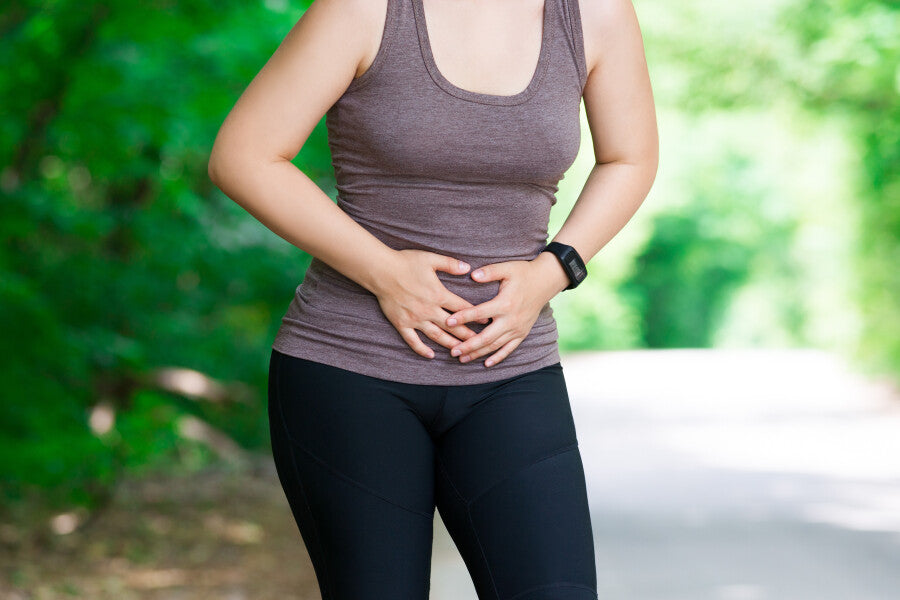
[[838, 60], [684, 287], [701, 252], [119, 255], [850, 51]]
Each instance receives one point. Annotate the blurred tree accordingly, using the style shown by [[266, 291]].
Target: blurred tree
[[847, 60], [700, 251], [836, 58], [119, 256]]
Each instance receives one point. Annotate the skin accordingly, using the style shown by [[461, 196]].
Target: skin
[[335, 41]]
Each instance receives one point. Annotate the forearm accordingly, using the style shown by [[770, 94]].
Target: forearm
[[611, 195], [289, 203]]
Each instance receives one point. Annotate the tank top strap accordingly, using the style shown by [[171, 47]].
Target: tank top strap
[[389, 37], [571, 13]]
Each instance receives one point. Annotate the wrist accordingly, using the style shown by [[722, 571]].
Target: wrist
[[551, 273], [381, 269]]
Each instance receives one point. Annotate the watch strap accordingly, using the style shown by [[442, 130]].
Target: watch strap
[[571, 262]]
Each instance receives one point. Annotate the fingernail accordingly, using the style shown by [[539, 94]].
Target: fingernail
[[463, 265], [451, 321], [456, 352], [431, 354], [488, 363], [478, 273]]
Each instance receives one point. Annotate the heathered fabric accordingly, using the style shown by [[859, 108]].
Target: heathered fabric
[[421, 163]]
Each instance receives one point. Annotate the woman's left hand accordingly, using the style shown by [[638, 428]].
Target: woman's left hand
[[525, 287]]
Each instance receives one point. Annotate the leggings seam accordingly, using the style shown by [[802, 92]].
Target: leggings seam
[[315, 526], [351, 480], [568, 448], [450, 481], [440, 410], [413, 408], [487, 565], [302, 486], [555, 585]]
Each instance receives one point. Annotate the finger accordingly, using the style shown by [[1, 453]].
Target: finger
[[487, 348], [449, 264], [482, 338], [491, 272], [440, 336], [452, 328], [483, 320], [491, 308], [410, 336], [460, 331], [453, 303], [503, 352]]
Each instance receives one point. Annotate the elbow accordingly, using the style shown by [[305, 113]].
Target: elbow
[[653, 158], [227, 166], [223, 166], [223, 158], [212, 173], [649, 162], [213, 166], [653, 167], [211, 169]]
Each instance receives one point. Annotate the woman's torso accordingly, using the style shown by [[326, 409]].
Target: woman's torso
[[422, 163]]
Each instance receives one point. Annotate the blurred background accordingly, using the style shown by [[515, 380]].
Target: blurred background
[[734, 358]]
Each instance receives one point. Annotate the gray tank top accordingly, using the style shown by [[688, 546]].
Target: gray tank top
[[422, 163]]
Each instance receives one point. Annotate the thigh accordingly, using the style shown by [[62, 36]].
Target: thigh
[[511, 491], [356, 466]]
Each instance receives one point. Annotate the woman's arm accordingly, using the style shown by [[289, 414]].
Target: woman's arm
[[268, 125], [620, 110]]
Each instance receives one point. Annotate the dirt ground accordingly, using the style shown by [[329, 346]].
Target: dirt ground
[[224, 534]]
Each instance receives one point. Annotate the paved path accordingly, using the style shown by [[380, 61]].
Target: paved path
[[731, 475]]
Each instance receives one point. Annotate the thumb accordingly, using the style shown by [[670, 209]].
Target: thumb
[[488, 273], [449, 264]]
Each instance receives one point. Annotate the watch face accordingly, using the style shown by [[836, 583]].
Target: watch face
[[574, 263], [576, 268]]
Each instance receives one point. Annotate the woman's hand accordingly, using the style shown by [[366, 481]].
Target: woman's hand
[[412, 297], [525, 287]]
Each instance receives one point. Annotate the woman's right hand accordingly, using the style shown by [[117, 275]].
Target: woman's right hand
[[412, 297]]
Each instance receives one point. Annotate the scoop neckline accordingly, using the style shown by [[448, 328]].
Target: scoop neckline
[[453, 89]]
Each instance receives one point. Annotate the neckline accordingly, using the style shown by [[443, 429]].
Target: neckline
[[453, 89]]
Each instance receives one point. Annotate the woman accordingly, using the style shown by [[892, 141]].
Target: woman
[[450, 124]]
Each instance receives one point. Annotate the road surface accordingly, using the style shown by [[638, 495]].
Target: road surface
[[731, 475]]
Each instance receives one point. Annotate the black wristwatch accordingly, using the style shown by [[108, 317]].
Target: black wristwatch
[[571, 262]]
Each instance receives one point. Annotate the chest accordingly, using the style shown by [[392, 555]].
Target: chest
[[433, 134]]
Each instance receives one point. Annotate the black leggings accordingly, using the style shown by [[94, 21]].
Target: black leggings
[[364, 461]]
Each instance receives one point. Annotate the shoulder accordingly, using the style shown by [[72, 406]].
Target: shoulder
[[353, 9], [366, 14], [355, 19], [605, 23], [358, 23], [340, 29]]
